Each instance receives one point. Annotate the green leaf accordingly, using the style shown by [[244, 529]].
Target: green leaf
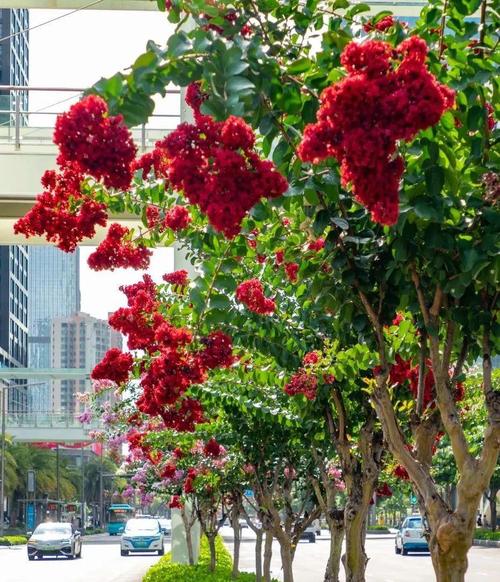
[[239, 85], [300, 66], [434, 180], [476, 117], [178, 44]]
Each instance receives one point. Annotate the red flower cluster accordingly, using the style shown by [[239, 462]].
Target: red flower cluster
[[154, 162], [215, 166], [183, 417], [251, 294], [117, 251], [115, 366], [175, 363], [279, 257], [402, 370], [316, 245], [177, 278], [291, 270], [384, 490], [61, 213], [177, 218], [381, 26], [382, 100], [212, 448], [302, 383], [96, 143], [401, 473], [218, 351], [310, 359], [175, 502]]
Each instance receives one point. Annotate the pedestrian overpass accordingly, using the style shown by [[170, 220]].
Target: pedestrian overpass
[[44, 427]]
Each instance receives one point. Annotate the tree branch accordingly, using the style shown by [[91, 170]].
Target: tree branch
[[341, 413], [421, 373]]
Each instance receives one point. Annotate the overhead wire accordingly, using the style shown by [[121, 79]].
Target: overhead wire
[[89, 5]]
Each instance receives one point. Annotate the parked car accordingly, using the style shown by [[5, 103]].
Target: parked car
[[166, 525], [309, 534], [55, 539], [142, 535], [410, 536]]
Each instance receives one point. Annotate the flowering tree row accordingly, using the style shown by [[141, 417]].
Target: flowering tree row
[[336, 193]]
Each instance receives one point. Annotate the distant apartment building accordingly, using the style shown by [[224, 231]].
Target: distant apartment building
[[78, 341], [14, 320], [54, 291]]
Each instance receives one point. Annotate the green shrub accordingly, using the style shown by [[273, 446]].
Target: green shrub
[[12, 540], [378, 529], [166, 571], [486, 534]]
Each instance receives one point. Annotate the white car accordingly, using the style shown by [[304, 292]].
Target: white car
[[54, 539], [166, 525], [142, 535], [410, 536]]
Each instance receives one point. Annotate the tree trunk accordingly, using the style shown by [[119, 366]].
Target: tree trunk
[[258, 556], [286, 560], [336, 527], [268, 554], [236, 549], [187, 531], [213, 556], [450, 540], [493, 507], [355, 558]]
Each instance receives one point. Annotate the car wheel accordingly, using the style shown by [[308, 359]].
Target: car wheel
[[161, 552], [312, 540], [404, 551], [397, 550], [124, 552], [31, 558]]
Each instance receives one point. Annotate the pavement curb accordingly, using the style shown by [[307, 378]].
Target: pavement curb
[[486, 543]]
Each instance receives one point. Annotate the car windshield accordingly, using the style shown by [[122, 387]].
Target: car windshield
[[149, 525], [414, 523], [56, 528]]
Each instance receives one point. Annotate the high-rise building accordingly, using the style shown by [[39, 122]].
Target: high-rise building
[[14, 319], [54, 291], [14, 61], [78, 341]]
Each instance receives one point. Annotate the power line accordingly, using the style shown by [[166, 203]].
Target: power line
[[51, 20]]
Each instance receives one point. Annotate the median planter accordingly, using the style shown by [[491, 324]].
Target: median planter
[[12, 540], [377, 529], [166, 571]]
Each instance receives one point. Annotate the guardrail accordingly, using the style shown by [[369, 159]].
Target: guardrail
[[20, 125], [47, 420]]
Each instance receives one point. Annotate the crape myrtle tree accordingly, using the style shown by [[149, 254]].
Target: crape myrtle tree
[[312, 121], [278, 465]]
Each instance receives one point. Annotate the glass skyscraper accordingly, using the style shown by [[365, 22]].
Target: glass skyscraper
[[14, 61], [54, 292], [14, 319]]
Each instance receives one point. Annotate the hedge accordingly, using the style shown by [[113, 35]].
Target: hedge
[[486, 534], [381, 529], [12, 540], [166, 571]]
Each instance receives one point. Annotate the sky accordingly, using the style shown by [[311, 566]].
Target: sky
[[76, 51]]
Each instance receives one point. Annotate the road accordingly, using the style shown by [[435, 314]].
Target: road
[[384, 564], [101, 562]]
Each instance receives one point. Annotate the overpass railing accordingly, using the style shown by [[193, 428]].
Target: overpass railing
[[28, 114], [48, 420]]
